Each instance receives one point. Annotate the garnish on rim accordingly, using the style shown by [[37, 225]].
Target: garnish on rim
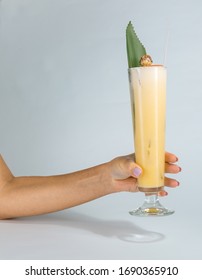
[[146, 60], [136, 52]]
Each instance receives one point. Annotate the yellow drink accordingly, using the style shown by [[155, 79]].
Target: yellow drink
[[148, 101]]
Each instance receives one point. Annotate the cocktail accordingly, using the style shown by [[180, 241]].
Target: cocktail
[[148, 104]]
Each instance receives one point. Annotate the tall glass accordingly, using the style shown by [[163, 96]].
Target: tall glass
[[148, 103]]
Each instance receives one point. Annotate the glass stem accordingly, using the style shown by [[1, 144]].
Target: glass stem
[[151, 198]]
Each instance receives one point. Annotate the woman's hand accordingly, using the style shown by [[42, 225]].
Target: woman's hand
[[125, 171]]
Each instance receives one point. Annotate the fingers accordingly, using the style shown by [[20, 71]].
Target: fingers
[[172, 168], [170, 160], [169, 182], [125, 171], [162, 193], [170, 157]]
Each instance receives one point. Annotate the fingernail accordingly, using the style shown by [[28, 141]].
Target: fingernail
[[178, 183], [137, 171], [180, 169]]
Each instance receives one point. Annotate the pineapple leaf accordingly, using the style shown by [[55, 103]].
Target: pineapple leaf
[[135, 49]]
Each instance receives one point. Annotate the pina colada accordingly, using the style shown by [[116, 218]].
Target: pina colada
[[148, 101]]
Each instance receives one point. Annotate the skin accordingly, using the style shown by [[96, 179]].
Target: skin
[[28, 196]]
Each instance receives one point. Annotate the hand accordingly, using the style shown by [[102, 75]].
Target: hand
[[125, 171]]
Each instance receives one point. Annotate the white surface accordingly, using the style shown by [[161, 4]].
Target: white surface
[[103, 231], [64, 105]]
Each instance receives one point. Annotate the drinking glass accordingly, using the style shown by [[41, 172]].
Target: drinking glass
[[148, 104]]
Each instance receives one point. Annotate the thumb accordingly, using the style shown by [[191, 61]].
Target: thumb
[[137, 171], [125, 167]]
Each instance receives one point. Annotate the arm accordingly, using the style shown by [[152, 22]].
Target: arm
[[26, 196]]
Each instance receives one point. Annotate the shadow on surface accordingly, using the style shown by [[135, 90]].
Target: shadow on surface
[[120, 229]]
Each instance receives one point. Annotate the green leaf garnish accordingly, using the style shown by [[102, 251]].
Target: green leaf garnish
[[135, 49]]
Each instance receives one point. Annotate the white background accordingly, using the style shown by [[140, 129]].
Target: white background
[[64, 106]]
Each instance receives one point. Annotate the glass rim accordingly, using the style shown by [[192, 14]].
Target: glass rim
[[149, 66]]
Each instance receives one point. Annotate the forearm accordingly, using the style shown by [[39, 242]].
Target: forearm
[[25, 196]]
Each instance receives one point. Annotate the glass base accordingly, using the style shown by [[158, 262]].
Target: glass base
[[151, 207]]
